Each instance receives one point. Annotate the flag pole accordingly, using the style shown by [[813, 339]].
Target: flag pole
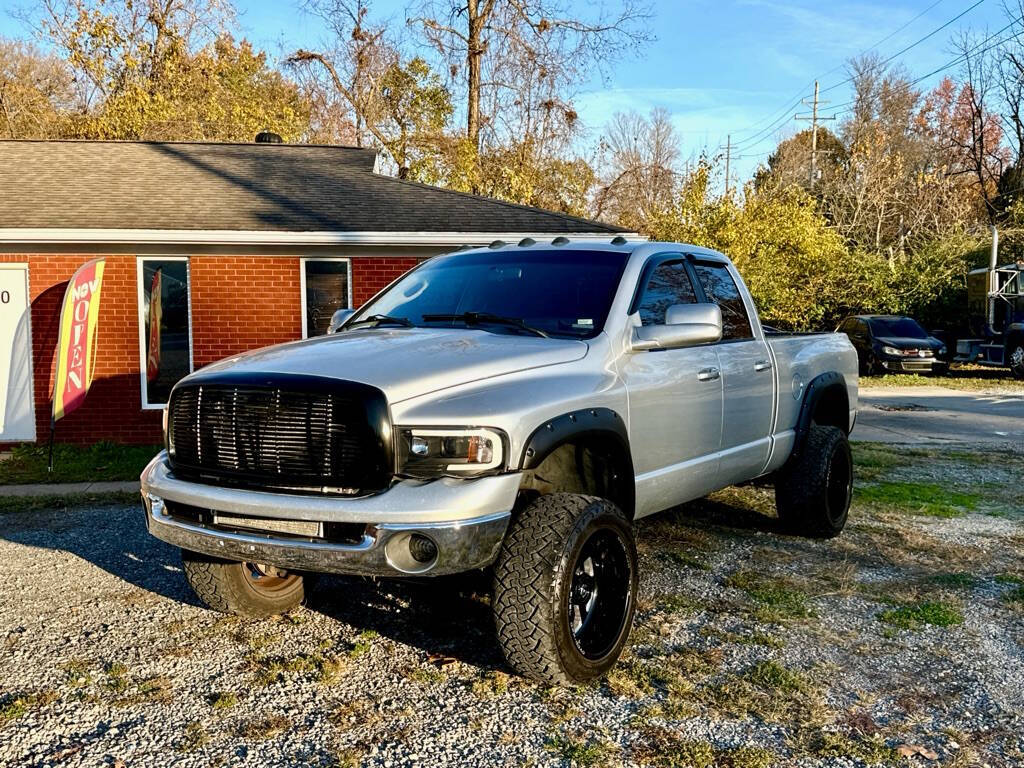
[[49, 464]]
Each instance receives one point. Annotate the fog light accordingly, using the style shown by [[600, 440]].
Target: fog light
[[422, 549]]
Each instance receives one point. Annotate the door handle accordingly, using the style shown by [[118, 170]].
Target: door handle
[[762, 365], [708, 374]]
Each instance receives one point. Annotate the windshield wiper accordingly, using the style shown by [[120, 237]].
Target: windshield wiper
[[379, 320], [476, 318]]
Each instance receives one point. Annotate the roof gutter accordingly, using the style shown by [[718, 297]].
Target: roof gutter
[[250, 237]]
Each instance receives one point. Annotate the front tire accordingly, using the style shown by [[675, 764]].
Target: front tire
[[1016, 358], [813, 490], [245, 589], [565, 586]]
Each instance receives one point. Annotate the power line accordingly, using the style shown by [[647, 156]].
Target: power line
[[960, 58], [795, 100], [912, 45], [758, 137]]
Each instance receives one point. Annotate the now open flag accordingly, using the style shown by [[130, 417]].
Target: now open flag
[[76, 350]]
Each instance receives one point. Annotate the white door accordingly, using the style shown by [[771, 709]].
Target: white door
[[17, 411], [675, 403]]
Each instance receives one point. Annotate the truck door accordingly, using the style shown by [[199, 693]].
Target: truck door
[[748, 381], [675, 400]]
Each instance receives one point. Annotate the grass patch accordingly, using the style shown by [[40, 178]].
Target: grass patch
[[271, 669], [221, 700], [684, 559], [931, 612], [193, 737], [117, 677], [778, 599], [17, 705], [264, 727], [54, 501], [958, 580], [666, 749], [582, 751], [961, 377], [426, 675], [363, 643], [929, 499], [491, 684], [103, 461]]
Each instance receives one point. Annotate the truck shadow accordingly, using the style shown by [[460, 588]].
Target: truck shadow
[[448, 616]]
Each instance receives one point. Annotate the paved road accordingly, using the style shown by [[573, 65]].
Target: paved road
[[939, 415]]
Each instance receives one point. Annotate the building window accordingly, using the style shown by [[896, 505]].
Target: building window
[[326, 288], [165, 326]]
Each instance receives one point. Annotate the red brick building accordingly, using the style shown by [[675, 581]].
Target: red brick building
[[247, 245]]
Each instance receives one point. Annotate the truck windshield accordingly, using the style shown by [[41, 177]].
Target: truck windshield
[[902, 327], [559, 292]]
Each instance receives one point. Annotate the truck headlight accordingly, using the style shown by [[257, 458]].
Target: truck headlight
[[433, 452]]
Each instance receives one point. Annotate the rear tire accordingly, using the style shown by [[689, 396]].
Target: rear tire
[[244, 589], [814, 488], [565, 588]]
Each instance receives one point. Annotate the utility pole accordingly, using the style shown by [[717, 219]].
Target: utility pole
[[728, 156], [813, 118]]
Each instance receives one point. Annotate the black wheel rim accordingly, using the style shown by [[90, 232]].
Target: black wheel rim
[[599, 594], [839, 485]]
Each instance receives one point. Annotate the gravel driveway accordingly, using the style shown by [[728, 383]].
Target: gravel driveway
[[901, 637]]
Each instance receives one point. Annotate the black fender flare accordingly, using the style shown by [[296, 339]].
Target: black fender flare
[[585, 423], [823, 385]]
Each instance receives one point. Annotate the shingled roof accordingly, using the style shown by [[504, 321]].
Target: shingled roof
[[240, 187]]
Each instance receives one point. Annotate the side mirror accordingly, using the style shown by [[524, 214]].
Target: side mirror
[[686, 325], [338, 319]]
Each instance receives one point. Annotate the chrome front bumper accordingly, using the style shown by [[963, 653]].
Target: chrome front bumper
[[465, 519]]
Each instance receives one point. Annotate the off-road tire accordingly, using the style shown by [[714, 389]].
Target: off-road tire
[[534, 578], [813, 489], [224, 586]]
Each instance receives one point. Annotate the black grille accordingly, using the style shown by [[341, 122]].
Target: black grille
[[283, 432]]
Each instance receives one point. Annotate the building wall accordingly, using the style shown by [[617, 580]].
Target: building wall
[[238, 303]]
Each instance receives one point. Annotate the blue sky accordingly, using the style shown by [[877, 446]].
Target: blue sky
[[719, 66]]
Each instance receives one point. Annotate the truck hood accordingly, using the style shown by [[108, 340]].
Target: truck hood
[[404, 362]]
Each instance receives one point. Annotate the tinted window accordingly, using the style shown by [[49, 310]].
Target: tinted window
[[326, 292], [561, 292], [897, 327], [721, 289], [669, 284], [165, 320]]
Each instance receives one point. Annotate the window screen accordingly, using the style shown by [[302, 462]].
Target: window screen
[[669, 284], [166, 326], [721, 289]]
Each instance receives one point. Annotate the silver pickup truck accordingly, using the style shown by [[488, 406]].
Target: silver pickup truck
[[514, 408]]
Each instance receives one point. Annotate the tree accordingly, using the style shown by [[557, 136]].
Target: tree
[[790, 163], [35, 89], [118, 45], [401, 106], [518, 61], [640, 158]]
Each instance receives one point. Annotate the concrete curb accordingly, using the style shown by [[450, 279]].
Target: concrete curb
[[69, 489]]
